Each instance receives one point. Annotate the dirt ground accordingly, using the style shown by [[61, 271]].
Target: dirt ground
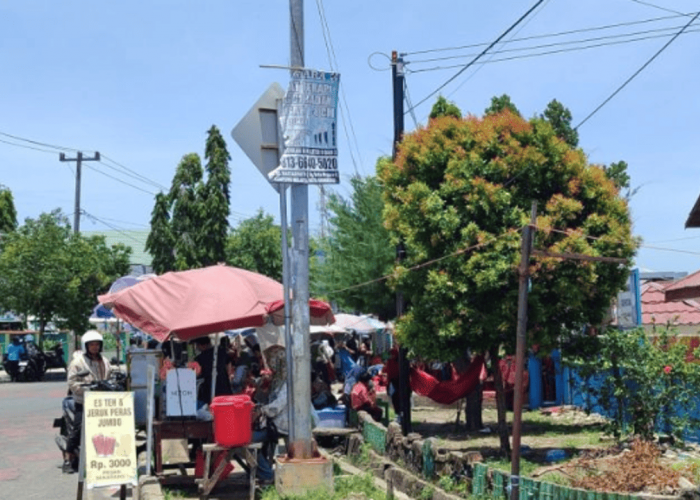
[[593, 460]]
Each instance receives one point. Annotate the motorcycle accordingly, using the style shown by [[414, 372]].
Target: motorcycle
[[53, 358], [27, 370], [67, 421]]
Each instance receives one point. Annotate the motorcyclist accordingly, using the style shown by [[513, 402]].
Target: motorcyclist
[[15, 351], [35, 356], [98, 368]]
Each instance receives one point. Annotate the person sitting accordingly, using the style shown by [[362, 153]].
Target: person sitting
[[205, 359], [321, 394], [364, 398], [271, 421], [98, 368]]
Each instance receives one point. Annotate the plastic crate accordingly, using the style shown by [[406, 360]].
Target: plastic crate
[[332, 417]]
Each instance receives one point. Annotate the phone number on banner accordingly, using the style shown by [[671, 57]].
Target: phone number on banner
[[309, 163]]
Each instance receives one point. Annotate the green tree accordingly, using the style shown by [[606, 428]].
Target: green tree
[[160, 242], [458, 194], [187, 212], [358, 250], [216, 199], [500, 104], [445, 108], [48, 272], [256, 245], [8, 213], [559, 117]]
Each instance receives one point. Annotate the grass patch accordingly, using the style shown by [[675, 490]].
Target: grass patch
[[344, 486]]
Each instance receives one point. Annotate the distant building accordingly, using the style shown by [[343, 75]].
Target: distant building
[[140, 259]]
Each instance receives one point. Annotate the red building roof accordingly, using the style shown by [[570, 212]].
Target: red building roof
[[656, 310]]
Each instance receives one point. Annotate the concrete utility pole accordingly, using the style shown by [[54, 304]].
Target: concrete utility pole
[[79, 159], [300, 432], [397, 78]]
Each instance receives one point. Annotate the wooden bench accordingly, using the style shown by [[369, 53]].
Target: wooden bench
[[246, 456]]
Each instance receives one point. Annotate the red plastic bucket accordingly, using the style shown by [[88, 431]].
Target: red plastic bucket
[[232, 420]]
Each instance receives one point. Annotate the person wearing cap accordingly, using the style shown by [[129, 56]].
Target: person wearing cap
[[92, 361]]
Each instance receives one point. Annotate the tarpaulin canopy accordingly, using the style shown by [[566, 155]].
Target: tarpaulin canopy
[[189, 304]]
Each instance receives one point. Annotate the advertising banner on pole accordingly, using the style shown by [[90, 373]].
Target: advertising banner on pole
[[109, 439], [309, 127]]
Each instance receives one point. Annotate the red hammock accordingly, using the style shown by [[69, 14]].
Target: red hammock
[[447, 391]]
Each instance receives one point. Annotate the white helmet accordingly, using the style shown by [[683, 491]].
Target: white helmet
[[29, 338], [91, 336]]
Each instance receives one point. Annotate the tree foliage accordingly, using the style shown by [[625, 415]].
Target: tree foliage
[[8, 213], [160, 242], [458, 194], [189, 226], [48, 272], [500, 104], [559, 117], [256, 245], [358, 250], [443, 107], [216, 198]]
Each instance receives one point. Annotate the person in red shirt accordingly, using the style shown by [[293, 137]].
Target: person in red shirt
[[391, 368], [364, 398]]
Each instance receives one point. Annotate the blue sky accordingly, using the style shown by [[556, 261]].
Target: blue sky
[[141, 82]]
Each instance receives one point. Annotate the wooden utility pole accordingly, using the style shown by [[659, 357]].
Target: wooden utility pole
[[521, 344], [79, 159]]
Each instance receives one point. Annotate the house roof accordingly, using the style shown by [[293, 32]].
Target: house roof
[[132, 238], [685, 288], [656, 309]]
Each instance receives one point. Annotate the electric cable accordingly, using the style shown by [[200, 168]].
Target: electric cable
[[25, 146], [118, 180], [432, 261], [546, 35], [638, 71], [559, 44], [344, 108], [135, 174], [659, 7], [469, 64], [550, 52], [38, 143], [111, 226], [407, 96]]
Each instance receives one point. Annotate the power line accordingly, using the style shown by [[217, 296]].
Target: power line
[[556, 44], [638, 71], [25, 146], [551, 52], [550, 35], [120, 181], [468, 65], [658, 7], [38, 143], [333, 61], [112, 227], [136, 174]]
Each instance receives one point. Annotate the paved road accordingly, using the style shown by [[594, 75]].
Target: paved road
[[30, 461]]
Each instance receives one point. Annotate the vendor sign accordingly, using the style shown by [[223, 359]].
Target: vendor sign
[[109, 442]]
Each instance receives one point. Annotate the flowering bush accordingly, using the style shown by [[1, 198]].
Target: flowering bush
[[645, 385]]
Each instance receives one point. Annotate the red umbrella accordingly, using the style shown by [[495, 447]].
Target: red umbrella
[[189, 304]]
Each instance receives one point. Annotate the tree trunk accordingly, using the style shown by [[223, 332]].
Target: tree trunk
[[472, 409], [503, 433]]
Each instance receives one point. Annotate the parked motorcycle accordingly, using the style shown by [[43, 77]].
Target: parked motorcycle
[[54, 357], [67, 421]]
